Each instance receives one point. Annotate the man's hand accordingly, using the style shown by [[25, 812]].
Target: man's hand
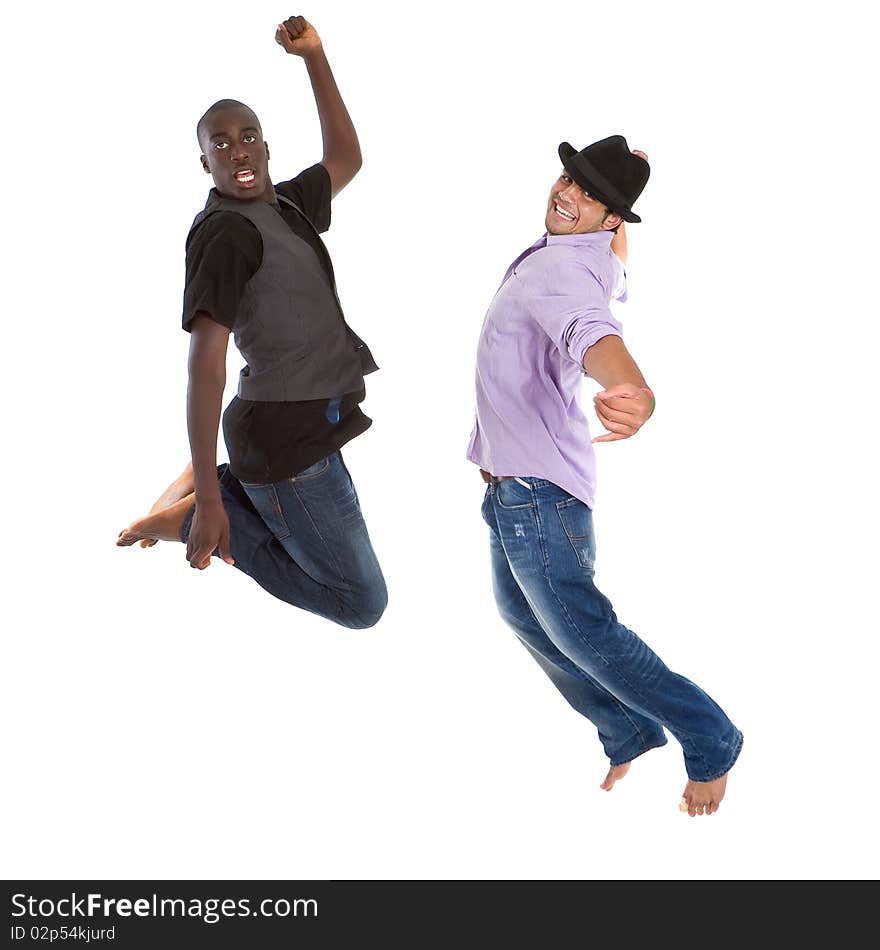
[[623, 410], [209, 530], [297, 36]]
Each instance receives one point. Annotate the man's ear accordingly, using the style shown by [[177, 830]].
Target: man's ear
[[204, 162], [612, 220], [267, 150]]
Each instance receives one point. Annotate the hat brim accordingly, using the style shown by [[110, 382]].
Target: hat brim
[[566, 153]]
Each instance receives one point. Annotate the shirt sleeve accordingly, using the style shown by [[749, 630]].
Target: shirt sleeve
[[222, 255], [310, 190], [571, 307]]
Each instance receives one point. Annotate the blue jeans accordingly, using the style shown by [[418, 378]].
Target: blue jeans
[[543, 548], [304, 540]]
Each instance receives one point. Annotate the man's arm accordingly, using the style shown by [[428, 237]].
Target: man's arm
[[621, 406], [204, 399], [618, 243], [626, 403], [342, 151]]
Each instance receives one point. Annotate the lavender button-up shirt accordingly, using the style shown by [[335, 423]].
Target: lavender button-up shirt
[[550, 308]]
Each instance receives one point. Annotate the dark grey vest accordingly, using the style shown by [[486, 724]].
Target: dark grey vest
[[290, 327]]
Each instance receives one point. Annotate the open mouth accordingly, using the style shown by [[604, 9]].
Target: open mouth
[[565, 215], [244, 176]]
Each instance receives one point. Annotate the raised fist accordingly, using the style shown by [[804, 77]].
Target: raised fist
[[297, 36]]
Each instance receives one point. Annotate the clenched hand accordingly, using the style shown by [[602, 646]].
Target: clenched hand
[[623, 410], [297, 36]]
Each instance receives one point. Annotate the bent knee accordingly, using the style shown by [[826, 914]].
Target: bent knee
[[367, 610]]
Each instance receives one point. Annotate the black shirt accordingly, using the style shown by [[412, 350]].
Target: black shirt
[[268, 441]]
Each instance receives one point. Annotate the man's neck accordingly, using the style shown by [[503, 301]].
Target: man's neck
[[268, 196]]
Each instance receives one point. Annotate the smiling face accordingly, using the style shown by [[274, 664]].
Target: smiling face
[[571, 210], [234, 152]]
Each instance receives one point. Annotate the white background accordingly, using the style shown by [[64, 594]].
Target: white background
[[166, 723]]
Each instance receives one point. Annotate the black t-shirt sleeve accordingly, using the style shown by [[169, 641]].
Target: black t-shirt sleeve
[[311, 192], [222, 255]]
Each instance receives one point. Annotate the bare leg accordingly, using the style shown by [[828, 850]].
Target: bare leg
[[703, 798], [182, 486], [161, 525]]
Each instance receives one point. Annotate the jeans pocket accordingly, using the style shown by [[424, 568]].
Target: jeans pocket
[[317, 469], [511, 494], [577, 523]]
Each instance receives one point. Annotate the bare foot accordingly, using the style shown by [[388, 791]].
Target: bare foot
[[162, 525], [703, 798], [182, 486], [614, 773]]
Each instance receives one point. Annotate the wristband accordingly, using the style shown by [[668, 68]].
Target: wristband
[[651, 394]]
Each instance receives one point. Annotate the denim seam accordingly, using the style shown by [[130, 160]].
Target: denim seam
[[647, 706], [572, 538], [646, 747], [279, 511], [573, 626], [545, 557], [625, 712], [622, 709], [637, 732], [350, 479], [685, 738], [317, 532], [714, 777], [577, 672]]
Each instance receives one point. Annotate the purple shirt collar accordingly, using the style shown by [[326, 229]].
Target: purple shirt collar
[[593, 237], [598, 238]]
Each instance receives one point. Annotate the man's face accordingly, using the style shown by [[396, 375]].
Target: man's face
[[571, 210], [235, 154]]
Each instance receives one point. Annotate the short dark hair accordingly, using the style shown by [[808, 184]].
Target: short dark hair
[[219, 106]]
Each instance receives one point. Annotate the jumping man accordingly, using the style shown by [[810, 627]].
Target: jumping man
[[284, 510], [549, 325]]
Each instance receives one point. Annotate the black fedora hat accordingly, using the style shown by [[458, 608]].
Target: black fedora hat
[[610, 172]]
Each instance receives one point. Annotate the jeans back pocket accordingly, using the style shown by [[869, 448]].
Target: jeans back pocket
[[577, 523]]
